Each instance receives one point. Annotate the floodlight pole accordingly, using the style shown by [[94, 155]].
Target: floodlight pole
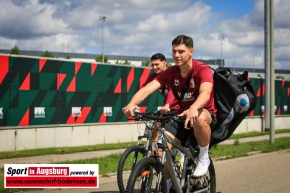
[[221, 38], [103, 18]]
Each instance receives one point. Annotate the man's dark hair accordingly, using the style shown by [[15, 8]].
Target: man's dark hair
[[158, 56], [183, 39]]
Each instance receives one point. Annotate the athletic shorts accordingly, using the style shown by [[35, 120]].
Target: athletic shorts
[[177, 129]]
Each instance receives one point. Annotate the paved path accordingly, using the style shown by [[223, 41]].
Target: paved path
[[46, 159], [259, 173]]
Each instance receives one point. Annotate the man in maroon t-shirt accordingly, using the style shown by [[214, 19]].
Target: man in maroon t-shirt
[[198, 101], [158, 63]]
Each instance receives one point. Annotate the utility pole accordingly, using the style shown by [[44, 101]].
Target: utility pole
[[269, 66], [103, 18]]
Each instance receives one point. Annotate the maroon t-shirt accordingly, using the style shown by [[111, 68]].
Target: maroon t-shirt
[[199, 73], [166, 92]]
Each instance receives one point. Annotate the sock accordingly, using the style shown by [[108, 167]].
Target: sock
[[169, 184], [203, 152]]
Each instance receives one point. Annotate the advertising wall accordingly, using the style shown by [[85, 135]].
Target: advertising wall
[[41, 91]]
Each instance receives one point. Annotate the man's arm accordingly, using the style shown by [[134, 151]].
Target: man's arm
[[142, 94]]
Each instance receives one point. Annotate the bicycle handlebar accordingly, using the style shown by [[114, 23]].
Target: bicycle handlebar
[[157, 116]]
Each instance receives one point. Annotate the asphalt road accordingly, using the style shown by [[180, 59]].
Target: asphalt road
[[259, 173]]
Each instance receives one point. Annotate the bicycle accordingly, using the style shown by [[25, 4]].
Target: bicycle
[[137, 152], [148, 175]]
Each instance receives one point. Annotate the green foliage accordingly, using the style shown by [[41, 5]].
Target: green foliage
[[47, 54], [168, 64], [15, 50], [67, 56], [99, 58], [147, 63], [126, 62], [280, 77]]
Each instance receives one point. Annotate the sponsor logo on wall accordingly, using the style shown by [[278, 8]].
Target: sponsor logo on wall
[[108, 111], [1, 112], [39, 112], [76, 111]]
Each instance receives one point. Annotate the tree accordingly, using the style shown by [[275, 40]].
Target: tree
[[99, 58], [126, 62], [67, 56], [47, 54], [147, 63], [15, 50], [168, 64], [280, 77]]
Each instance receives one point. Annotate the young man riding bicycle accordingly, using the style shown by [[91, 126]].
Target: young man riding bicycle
[[197, 104]]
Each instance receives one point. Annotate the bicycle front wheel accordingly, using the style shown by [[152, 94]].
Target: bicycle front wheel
[[128, 160], [144, 177]]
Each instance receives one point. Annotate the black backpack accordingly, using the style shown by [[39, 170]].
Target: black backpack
[[234, 99]]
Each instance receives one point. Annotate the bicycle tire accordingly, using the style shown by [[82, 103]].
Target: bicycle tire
[[148, 168], [212, 175], [137, 152]]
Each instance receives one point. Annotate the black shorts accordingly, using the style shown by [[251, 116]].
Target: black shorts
[[177, 129]]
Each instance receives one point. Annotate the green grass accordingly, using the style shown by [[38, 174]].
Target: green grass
[[257, 133], [63, 150], [242, 149]]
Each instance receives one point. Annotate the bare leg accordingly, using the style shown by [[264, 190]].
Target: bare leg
[[202, 133], [201, 127]]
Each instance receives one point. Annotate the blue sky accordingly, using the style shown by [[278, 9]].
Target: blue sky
[[145, 27], [231, 8]]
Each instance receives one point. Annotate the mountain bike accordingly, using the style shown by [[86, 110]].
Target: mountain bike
[[137, 152], [148, 175]]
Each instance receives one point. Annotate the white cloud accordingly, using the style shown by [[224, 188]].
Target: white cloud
[[142, 28]]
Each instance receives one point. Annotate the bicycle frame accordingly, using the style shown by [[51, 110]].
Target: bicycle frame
[[178, 183], [181, 178]]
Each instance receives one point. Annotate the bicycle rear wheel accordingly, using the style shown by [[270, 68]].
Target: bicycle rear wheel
[[144, 176], [128, 160]]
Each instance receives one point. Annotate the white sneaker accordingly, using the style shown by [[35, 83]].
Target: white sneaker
[[202, 167]]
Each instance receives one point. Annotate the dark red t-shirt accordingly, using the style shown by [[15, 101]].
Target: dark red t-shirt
[[166, 92], [199, 73]]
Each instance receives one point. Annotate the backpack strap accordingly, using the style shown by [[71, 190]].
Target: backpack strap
[[184, 89]]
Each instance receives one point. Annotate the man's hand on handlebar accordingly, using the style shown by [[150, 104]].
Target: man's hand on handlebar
[[164, 109], [129, 110]]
